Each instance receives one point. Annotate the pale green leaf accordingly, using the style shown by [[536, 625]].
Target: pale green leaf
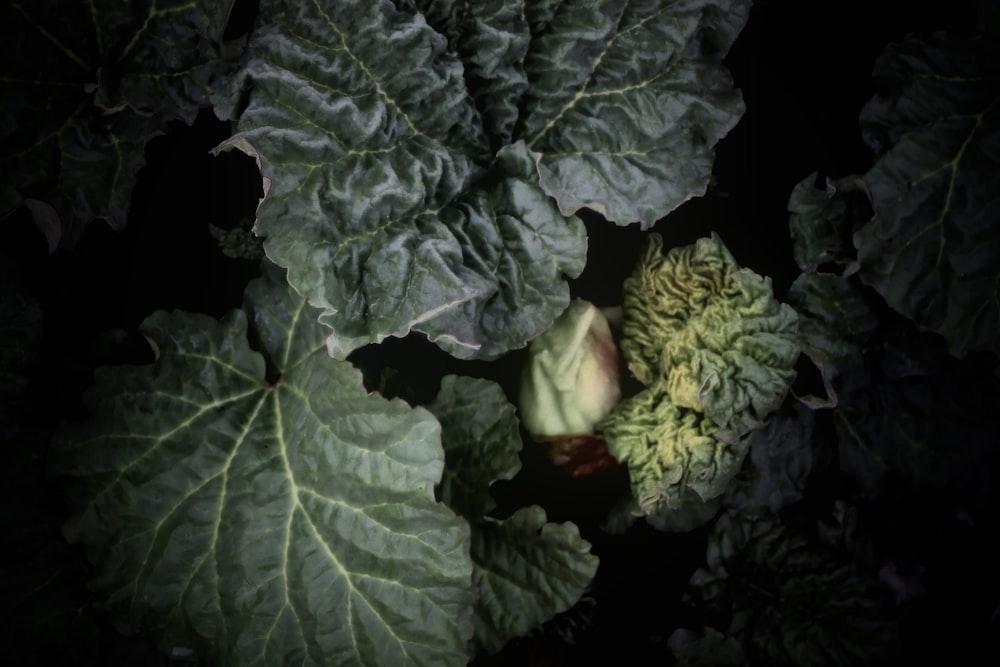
[[260, 507]]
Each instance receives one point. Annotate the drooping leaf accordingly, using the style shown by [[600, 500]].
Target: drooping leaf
[[626, 101], [481, 442], [108, 76], [526, 571], [933, 249], [260, 507], [788, 601], [384, 198]]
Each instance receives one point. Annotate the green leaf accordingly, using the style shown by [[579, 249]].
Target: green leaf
[[906, 408], [913, 415], [481, 442], [783, 456], [383, 196], [238, 242], [626, 101], [677, 467], [491, 38], [260, 507], [835, 318], [108, 75], [933, 248], [526, 572], [705, 648], [821, 222], [711, 331], [790, 602]]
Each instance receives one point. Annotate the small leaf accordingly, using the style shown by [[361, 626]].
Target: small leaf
[[481, 442], [526, 572], [821, 222]]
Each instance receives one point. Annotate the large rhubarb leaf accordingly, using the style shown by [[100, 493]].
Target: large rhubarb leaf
[[933, 248], [106, 76], [376, 201], [423, 158], [259, 507], [525, 569]]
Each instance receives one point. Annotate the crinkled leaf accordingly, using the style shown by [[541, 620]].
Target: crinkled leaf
[[790, 603], [526, 571], [491, 38], [481, 442], [933, 249], [80, 62], [717, 353], [383, 197], [713, 332], [261, 508], [676, 465], [626, 101], [821, 222]]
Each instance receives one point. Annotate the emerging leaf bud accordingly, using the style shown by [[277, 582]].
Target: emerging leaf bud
[[571, 381]]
